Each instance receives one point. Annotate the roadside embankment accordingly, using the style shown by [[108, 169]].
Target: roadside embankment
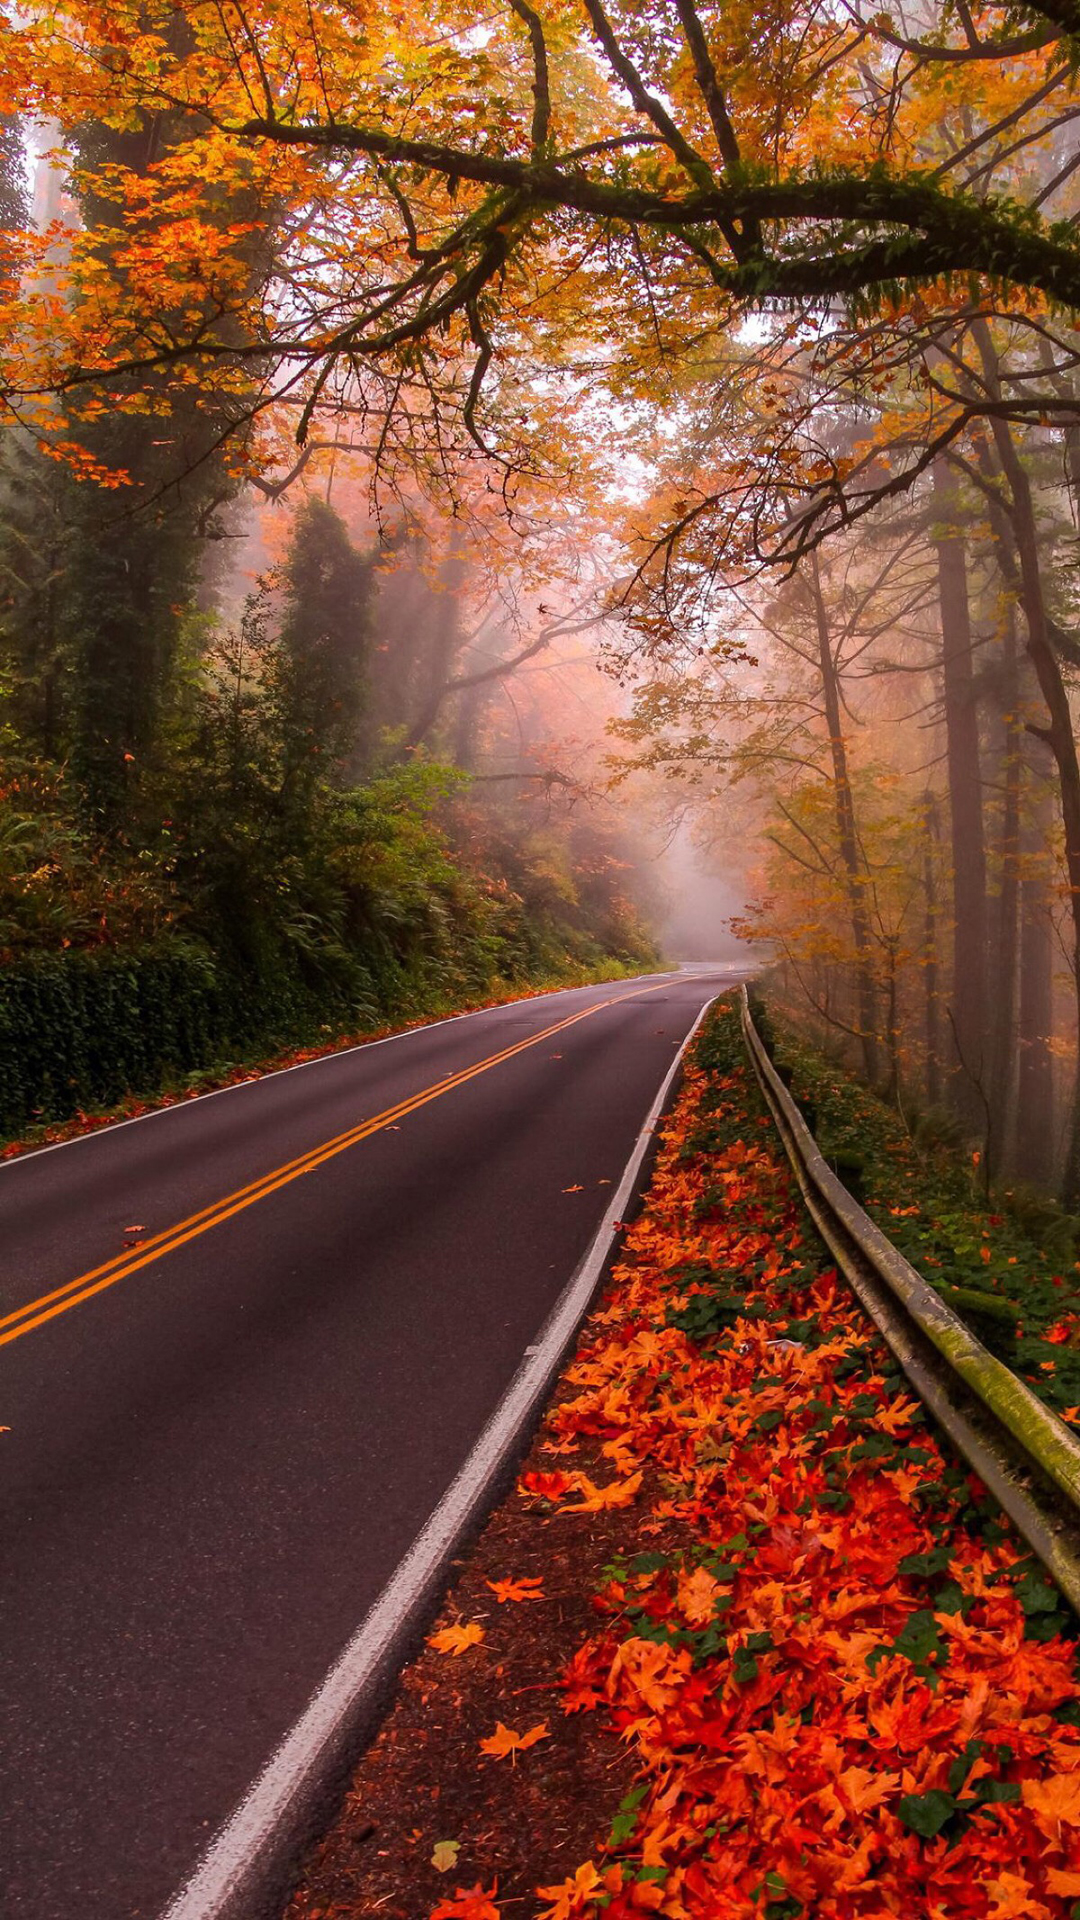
[[165, 1074], [748, 1639]]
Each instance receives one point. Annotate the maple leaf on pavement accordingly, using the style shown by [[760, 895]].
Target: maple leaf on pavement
[[456, 1639], [505, 1741], [528, 1589]]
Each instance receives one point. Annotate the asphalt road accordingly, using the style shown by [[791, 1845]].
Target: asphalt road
[[217, 1457]]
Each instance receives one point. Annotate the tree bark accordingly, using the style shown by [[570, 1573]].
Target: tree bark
[[1034, 1155], [931, 987], [1005, 932], [1058, 734], [847, 836], [968, 1000]]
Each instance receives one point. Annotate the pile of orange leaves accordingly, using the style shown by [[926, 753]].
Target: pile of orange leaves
[[847, 1692]]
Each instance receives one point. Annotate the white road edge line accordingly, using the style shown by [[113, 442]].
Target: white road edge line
[[230, 1867], [339, 1053]]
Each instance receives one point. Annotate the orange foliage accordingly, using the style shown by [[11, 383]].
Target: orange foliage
[[830, 1684]]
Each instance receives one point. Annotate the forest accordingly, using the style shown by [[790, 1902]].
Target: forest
[[372, 376], [264, 775]]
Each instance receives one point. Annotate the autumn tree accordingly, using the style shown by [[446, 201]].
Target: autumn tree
[[500, 247]]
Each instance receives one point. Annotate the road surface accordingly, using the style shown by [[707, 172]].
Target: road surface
[[245, 1344]]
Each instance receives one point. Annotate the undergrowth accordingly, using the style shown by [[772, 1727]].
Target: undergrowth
[[1009, 1269]]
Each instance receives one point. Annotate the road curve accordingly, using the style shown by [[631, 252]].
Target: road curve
[[245, 1345]]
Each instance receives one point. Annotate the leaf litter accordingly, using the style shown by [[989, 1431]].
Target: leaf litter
[[803, 1666]]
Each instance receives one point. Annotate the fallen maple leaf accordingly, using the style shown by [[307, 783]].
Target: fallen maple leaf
[[621, 1493], [528, 1589], [1013, 1898], [582, 1679], [697, 1596], [1055, 1801], [548, 1486], [569, 1893], [456, 1639], [862, 1788], [505, 1741], [468, 1903], [1062, 1880], [573, 1189]]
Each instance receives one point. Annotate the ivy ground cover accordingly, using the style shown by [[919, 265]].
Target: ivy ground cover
[[747, 1639], [231, 1074]]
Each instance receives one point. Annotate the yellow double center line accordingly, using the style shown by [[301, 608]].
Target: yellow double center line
[[48, 1305]]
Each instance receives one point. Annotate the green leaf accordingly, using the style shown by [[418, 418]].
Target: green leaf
[[744, 1666], [877, 1446], [919, 1639], [863, 1407], [963, 1764], [997, 1793], [1042, 1626], [649, 1562], [1036, 1595], [926, 1813]]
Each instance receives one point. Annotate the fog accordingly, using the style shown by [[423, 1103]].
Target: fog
[[699, 900]]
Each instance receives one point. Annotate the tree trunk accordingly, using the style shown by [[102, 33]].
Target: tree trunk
[[1034, 1155], [847, 836], [931, 990], [1058, 734], [968, 1000], [1006, 929]]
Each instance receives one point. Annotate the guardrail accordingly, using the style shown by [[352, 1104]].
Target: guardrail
[[1025, 1456]]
